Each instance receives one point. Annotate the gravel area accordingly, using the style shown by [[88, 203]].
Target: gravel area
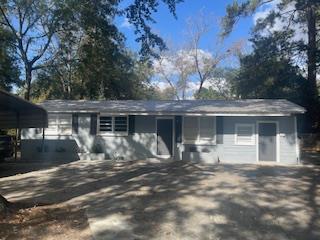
[[178, 200]]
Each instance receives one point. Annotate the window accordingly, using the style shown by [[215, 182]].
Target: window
[[200, 130], [244, 134], [59, 124], [190, 129], [121, 124], [105, 124], [113, 125]]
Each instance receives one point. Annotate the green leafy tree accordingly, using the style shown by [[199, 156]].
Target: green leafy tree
[[37, 28], [93, 62], [139, 14], [302, 13], [9, 74], [269, 73], [141, 77], [167, 93], [131, 81], [33, 25], [209, 93]]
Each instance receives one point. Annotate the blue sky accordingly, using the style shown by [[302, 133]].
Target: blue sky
[[170, 28]]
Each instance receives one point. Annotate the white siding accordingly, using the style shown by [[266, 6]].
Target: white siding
[[142, 144]]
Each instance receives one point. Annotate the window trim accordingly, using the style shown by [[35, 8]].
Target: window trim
[[199, 141], [253, 138], [112, 133]]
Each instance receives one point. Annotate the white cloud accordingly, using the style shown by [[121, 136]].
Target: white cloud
[[193, 86], [161, 85], [170, 64], [125, 23], [165, 65], [265, 10]]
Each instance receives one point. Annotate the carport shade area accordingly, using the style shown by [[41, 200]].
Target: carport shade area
[[17, 113]]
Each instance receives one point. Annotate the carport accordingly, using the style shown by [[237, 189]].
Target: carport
[[17, 113]]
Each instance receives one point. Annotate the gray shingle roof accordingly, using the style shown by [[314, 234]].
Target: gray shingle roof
[[249, 106]]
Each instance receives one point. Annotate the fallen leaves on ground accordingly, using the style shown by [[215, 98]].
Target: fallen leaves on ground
[[46, 222]]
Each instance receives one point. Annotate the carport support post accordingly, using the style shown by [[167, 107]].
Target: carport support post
[[42, 147], [16, 144]]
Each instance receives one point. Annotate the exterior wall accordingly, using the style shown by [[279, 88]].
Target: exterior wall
[[142, 143], [232, 152], [229, 152], [288, 144], [208, 154], [139, 145]]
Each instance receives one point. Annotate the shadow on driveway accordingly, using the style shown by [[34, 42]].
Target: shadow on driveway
[[181, 200]]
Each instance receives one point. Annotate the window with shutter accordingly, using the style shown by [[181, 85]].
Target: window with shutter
[[244, 134], [199, 130], [207, 128], [120, 124], [65, 124], [113, 125], [52, 125], [105, 124], [59, 124], [190, 129]]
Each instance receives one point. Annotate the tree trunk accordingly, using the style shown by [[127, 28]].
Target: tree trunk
[[69, 89], [311, 51], [28, 81], [197, 95], [313, 110]]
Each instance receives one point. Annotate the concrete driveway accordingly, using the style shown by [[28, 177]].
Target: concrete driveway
[[178, 200]]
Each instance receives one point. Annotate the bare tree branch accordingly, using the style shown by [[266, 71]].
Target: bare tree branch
[[29, 19], [167, 79], [7, 22]]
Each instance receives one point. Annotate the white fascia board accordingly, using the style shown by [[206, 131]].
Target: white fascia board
[[201, 114], [175, 113], [74, 111]]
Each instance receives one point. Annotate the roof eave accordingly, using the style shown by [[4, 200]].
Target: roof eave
[[185, 113]]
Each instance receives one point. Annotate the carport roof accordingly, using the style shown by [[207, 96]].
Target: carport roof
[[16, 112], [187, 107]]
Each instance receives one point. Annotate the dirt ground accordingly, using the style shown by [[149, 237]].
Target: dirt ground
[[49, 222], [176, 200]]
